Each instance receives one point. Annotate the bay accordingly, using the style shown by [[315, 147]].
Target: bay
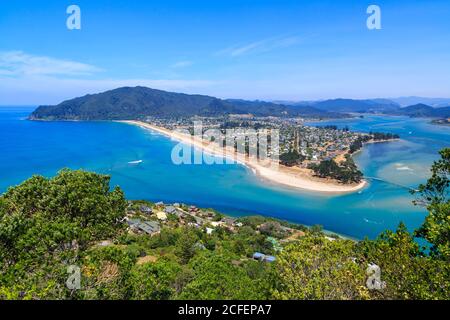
[[139, 161]]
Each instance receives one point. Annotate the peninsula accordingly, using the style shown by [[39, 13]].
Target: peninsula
[[295, 177], [317, 159]]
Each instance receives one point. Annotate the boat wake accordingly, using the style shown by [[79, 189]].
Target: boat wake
[[136, 162], [371, 221]]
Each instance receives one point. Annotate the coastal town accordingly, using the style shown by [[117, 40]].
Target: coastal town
[[323, 152]]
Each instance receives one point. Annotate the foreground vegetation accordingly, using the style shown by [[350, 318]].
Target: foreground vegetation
[[75, 219]]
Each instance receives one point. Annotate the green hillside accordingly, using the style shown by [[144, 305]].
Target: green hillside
[[139, 102]]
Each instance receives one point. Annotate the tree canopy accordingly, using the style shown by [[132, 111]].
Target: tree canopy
[[434, 194]]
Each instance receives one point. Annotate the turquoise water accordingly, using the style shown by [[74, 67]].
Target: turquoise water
[[45, 147]]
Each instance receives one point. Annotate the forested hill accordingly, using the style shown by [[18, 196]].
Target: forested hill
[[378, 106], [139, 102], [423, 110]]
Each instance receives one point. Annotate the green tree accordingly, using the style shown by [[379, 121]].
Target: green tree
[[46, 223], [154, 281], [436, 230], [317, 268], [185, 246], [106, 273], [407, 273], [291, 158], [436, 189], [435, 196], [216, 277]]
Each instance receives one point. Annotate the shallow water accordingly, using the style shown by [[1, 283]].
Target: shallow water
[[111, 148]]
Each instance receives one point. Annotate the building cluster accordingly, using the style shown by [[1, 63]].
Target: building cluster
[[313, 144], [149, 219], [316, 144]]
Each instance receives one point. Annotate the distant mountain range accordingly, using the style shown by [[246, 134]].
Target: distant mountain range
[[139, 102], [400, 102], [381, 106], [423, 110], [433, 102], [358, 106]]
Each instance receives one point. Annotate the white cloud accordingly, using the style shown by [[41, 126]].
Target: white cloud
[[31, 79], [182, 64], [18, 63], [264, 45]]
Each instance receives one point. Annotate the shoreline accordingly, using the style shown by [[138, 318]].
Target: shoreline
[[296, 178], [372, 142]]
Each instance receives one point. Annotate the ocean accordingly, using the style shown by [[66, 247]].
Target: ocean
[[139, 161]]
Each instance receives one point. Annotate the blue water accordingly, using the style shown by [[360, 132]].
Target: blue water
[[45, 147]]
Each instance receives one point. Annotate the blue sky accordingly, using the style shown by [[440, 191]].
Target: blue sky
[[252, 49]]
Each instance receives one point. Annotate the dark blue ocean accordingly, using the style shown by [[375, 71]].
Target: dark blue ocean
[[29, 147]]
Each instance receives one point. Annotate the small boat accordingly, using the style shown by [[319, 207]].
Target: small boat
[[136, 162]]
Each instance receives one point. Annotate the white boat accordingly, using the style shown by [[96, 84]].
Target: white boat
[[136, 162]]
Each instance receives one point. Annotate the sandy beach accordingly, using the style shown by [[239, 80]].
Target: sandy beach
[[286, 176]]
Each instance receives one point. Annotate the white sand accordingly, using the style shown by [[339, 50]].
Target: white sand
[[292, 177]]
